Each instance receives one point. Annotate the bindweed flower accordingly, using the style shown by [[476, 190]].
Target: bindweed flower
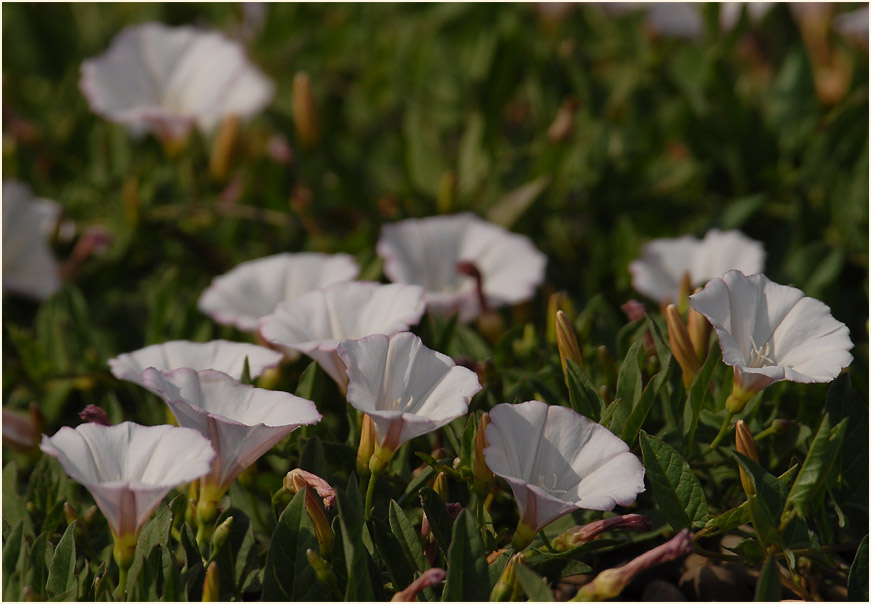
[[220, 355], [556, 461], [168, 79], [252, 290], [243, 422], [730, 12], [406, 388], [770, 332], [444, 253], [128, 469], [665, 262], [297, 480], [29, 267], [315, 323]]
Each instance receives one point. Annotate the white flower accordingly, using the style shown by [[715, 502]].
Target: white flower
[[168, 79], [406, 388], [663, 263], [221, 355], [315, 323], [29, 267], [730, 12], [253, 289], [853, 25], [556, 460], [243, 422], [770, 332], [679, 19], [427, 252], [129, 468]]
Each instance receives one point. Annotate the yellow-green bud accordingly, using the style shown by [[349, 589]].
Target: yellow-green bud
[[505, 584], [440, 486], [567, 343], [323, 571], [681, 345], [222, 533], [367, 445], [304, 109], [212, 584], [745, 445], [222, 148]]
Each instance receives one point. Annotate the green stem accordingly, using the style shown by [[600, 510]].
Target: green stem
[[122, 582], [370, 491], [546, 541], [723, 429]]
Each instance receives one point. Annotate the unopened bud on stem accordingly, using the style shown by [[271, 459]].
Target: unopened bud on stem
[[430, 578], [367, 445], [567, 342], [681, 345], [581, 534], [745, 445]]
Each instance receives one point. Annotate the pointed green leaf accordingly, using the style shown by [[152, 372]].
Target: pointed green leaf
[[407, 536], [768, 586], [392, 554], [62, 570], [767, 504], [534, 586], [739, 515], [359, 586], [698, 391], [675, 488], [154, 534], [287, 575], [663, 352], [639, 413], [820, 457], [13, 507], [467, 576], [583, 395], [309, 384], [11, 552], [629, 387], [246, 372], [36, 572], [857, 580], [438, 517]]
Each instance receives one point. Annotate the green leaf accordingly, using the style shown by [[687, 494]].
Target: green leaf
[[645, 402], [675, 488], [820, 457], [508, 210], [534, 586], [467, 577], [698, 391], [36, 572], [768, 586], [359, 587], [583, 395], [12, 550], [767, 504], [392, 554], [417, 483], [62, 570], [309, 384], [154, 534], [407, 536], [663, 352], [313, 459], [629, 387], [857, 580], [287, 575], [737, 516], [13, 507], [194, 573], [246, 372], [438, 517]]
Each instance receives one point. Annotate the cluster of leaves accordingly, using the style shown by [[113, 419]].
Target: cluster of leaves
[[428, 109]]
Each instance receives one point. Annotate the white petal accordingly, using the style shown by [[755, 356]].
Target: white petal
[[426, 251], [221, 355], [722, 251], [556, 460], [316, 322], [29, 267], [168, 78], [242, 421], [680, 19], [253, 289], [399, 379], [129, 468]]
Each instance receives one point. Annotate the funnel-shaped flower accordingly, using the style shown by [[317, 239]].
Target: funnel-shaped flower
[[168, 79], [220, 355], [771, 332], [556, 460], [663, 263], [406, 388], [316, 322], [29, 268], [129, 468], [253, 289], [428, 251], [243, 422]]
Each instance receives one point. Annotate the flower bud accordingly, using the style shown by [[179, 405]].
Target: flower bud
[[440, 486], [95, 415], [323, 571], [379, 460], [190, 512], [581, 534], [221, 534], [430, 578], [298, 479], [681, 345], [700, 332], [70, 513], [505, 584], [222, 148], [567, 342], [304, 110], [212, 584], [21, 433], [780, 426], [686, 288], [483, 476], [557, 301], [745, 446], [367, 445]]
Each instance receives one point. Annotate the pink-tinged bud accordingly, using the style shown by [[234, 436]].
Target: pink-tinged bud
[[430, 578], [681, 345], [745, 445], [298, 479], [95, 415], [567, 343], [505, 585], [304, 110], [22, 432], [609, 583], [581, 534], [699, 329], [633, 309], [483, 476], [278, 150], [367, 446], [212, 584], [222, 148], [95, 240]]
